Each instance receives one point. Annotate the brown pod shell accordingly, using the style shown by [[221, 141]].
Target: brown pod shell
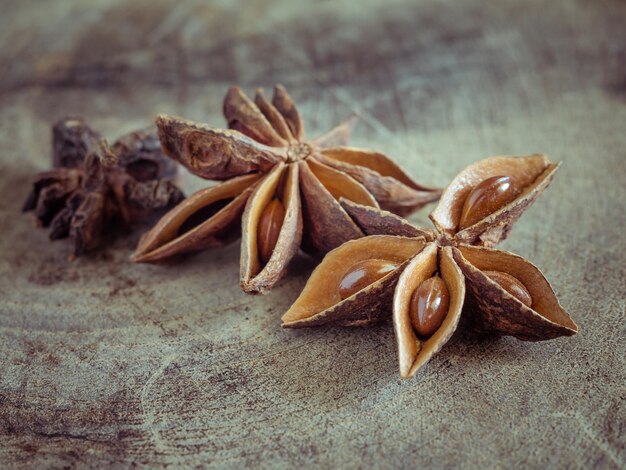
[[256, 278], [392, 187], [374, 221], [215, 153], [337, 136], [532, 174], [413, 353], [328, 225], [490, 307], [165, 239], [147, 197], [72, 140], [60, 225], [283, 102], [86, 225], [320, 302], [51, 200], [139, 153], [69, 179], [273, 116], [244, 115], [341, 185]]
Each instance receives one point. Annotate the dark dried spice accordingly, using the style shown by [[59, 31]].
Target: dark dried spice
[[266, 160], [139, 153], [72, 139], [94, 188], [496, 290]]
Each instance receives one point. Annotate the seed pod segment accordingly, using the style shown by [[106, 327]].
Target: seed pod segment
[[492, 308], [532, 174], [208, 218], [257, 274], [321, 301], [413, 351]]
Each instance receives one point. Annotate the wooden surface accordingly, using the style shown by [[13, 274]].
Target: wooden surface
[[107, 363]]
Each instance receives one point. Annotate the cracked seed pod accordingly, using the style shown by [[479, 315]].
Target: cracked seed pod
[[284, 188], [321, 303], [443, 279], [492, 309], [529, 176], [72, 139], [415, 351], [90, 191]]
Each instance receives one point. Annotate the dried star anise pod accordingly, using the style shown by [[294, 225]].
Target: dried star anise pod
[[282, 191], [94, 187], [425, 279]]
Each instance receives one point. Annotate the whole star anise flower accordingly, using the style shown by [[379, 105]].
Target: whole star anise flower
[[424, 280], [281, 192], [94, 188]]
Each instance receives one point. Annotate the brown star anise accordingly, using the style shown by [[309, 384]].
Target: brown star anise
[[286, 187], [425, 279], [93, 187]]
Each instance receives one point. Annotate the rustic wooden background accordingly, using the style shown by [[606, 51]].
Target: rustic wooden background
[[105, 363]]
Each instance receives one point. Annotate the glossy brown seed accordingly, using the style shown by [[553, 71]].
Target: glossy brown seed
[[429, 305], [512, 285], [269, 228], [362, 274], [486, 198]]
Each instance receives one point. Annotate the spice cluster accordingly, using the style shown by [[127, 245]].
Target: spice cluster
[[283, 194]]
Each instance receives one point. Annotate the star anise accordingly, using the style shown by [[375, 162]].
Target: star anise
[[426, 279], [94, 188], [281, 193]]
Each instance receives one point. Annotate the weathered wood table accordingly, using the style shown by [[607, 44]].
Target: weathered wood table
[[106, 363]]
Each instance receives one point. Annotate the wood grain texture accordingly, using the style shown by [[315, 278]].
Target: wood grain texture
[[106, 363]]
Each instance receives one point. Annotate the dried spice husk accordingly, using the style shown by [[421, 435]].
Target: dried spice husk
[[215, 154], [384, 179], [50, 191], [492, 308], [255, 277], [327, 224], [91, 192], [414, 352], [533, 174], [217, 224], [320, 302], [87, 223], [340, 185], [267, 138], [373, 221], [276, 120], [139, 153], [285, 105], [337, 136], [72, 139], [464, 268]]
